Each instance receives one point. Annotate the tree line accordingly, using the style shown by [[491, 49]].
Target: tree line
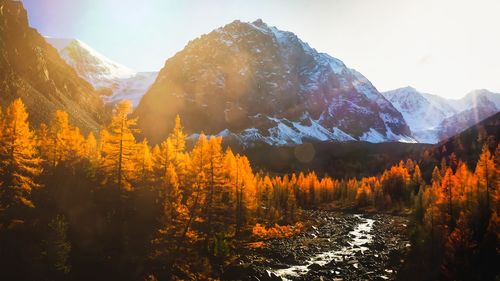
[[69, 202]]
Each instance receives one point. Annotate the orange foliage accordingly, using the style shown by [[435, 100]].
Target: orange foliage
[[276, 231]]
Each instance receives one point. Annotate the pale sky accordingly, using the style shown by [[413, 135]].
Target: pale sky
[[444, 47]]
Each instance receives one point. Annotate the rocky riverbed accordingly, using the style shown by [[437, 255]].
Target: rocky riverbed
[[337, 246]]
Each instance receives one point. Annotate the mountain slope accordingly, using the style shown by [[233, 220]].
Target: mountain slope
[[457, 123], [131, 89], [479, 98], [467, 144], [433, 118], [117, 82], [420, 114], [88, 63], [32, 70], [259, 84]]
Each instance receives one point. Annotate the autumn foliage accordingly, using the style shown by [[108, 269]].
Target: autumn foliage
[[179, 209]]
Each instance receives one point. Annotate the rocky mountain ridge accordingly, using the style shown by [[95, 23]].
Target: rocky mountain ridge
[[257, 83]]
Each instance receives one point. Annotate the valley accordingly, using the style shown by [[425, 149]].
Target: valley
[[338, 246], [238, 151]]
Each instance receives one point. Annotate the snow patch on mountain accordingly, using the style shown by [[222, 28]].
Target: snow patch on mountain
[[103, 73], [432, 118], [271, 86], [94, 67], [132, 88], [285, 132], [372, 136]]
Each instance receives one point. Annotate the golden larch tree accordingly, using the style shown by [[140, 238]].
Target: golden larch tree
[[144, 161], [119, 147], [485, 172], [19, 161]]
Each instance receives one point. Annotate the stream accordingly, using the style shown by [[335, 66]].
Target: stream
[[337, 246], [360, 237]]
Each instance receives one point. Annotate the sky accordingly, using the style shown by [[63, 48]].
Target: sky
[[443, 47]]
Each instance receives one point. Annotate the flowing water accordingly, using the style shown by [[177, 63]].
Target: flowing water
[[337, 246], [358, 239]]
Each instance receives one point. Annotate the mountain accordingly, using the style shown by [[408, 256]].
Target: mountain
[[479, 98], [433, 118], [421, 115], [32, 70], [97, 69], [467, 144], [258, 84], [456, 123], [131, 89], [447, 106], [115, 81]]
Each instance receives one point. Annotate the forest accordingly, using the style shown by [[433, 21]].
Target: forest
[[72, 204]]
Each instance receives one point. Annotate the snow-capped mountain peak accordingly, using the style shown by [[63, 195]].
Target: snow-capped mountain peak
[[92, 65], [265, 81], [103, 73], [480, 97], [433, 118], [419, 113]]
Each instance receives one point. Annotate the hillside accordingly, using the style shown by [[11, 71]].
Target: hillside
[[32, 70]]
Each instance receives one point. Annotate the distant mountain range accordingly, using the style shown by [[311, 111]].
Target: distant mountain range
[[433, 118], [247, 81], [114, 81], [32, 70]]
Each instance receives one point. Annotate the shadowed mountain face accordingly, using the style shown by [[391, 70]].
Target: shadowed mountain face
[[255, 83], [32, 70], [457, 123], [467, 145]]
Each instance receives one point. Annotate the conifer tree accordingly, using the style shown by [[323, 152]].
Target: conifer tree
[[176, 147], [417, 179], [291, 205], [178, 140], [59, 134], [61, 141], [485, 171], [44, 142], [19, 161], [58, 246], [119, 147], [447, 194], [199, 163], [144, 162], [436, 175], [265, 196], [173, 209], [215, 177], [163, 156], [91, 149]]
